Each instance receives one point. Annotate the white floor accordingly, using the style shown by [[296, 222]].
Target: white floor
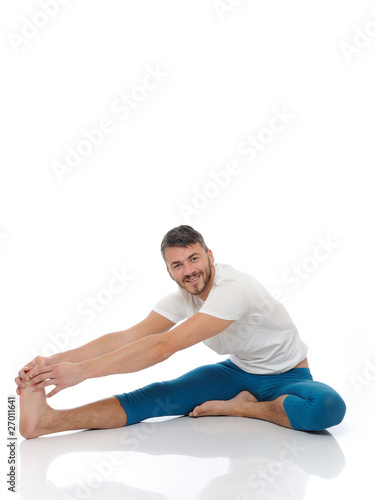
[[207, 458]]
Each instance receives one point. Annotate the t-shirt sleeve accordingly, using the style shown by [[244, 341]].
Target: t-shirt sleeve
[[230, 300], [171, 306]]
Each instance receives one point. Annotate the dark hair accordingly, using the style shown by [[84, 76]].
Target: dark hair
[[181, 236]]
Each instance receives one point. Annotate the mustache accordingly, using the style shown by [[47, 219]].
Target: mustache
[[191, 276]]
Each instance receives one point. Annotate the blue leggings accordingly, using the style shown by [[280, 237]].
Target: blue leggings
[[310, 405]]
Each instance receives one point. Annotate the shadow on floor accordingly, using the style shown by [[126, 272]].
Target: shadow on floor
[[264, 460]]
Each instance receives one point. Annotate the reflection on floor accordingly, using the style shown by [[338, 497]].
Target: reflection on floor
[[210, 458]]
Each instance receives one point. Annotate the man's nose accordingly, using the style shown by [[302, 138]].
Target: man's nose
[[189, 269]]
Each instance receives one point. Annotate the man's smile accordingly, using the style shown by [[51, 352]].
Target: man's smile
[[192, 280]]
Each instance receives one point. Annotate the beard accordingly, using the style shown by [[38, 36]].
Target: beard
[[198, 287]]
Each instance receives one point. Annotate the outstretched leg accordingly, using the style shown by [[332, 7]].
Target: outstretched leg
[[38, 419], [175, 397]]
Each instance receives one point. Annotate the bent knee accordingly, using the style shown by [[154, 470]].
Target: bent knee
[[331, 409], [317, 413]]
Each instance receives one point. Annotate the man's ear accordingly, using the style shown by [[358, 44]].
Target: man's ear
[[211, 257]]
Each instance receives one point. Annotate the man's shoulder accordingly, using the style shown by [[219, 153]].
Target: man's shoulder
[[236, 281], [226, 273]]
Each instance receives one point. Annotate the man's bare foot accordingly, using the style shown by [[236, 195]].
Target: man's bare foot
[[236, 407], [35, 414]]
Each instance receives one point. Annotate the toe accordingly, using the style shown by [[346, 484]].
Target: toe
[[195, 412]]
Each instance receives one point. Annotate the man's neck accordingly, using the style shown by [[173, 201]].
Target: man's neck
[[203, 296]]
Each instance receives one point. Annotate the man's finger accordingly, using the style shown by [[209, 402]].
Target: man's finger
[[40, 371], [53, 392], [42, 385], [41, 378], [20, 383], [32, 372], [27, 367], [23, 375]]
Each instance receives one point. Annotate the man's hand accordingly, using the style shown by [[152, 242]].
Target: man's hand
[[27, 372], [62, 375]]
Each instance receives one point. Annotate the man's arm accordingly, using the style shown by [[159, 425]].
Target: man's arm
[[137, 355], [154, 323]]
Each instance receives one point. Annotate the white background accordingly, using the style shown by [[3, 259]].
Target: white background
[[225, 72]]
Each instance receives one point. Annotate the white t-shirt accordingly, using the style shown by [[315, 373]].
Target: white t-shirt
[[263, 338]]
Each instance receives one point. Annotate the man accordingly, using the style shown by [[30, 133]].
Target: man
[[266, 376]]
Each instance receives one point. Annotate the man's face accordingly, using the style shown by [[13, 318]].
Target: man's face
[[191, 268]]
